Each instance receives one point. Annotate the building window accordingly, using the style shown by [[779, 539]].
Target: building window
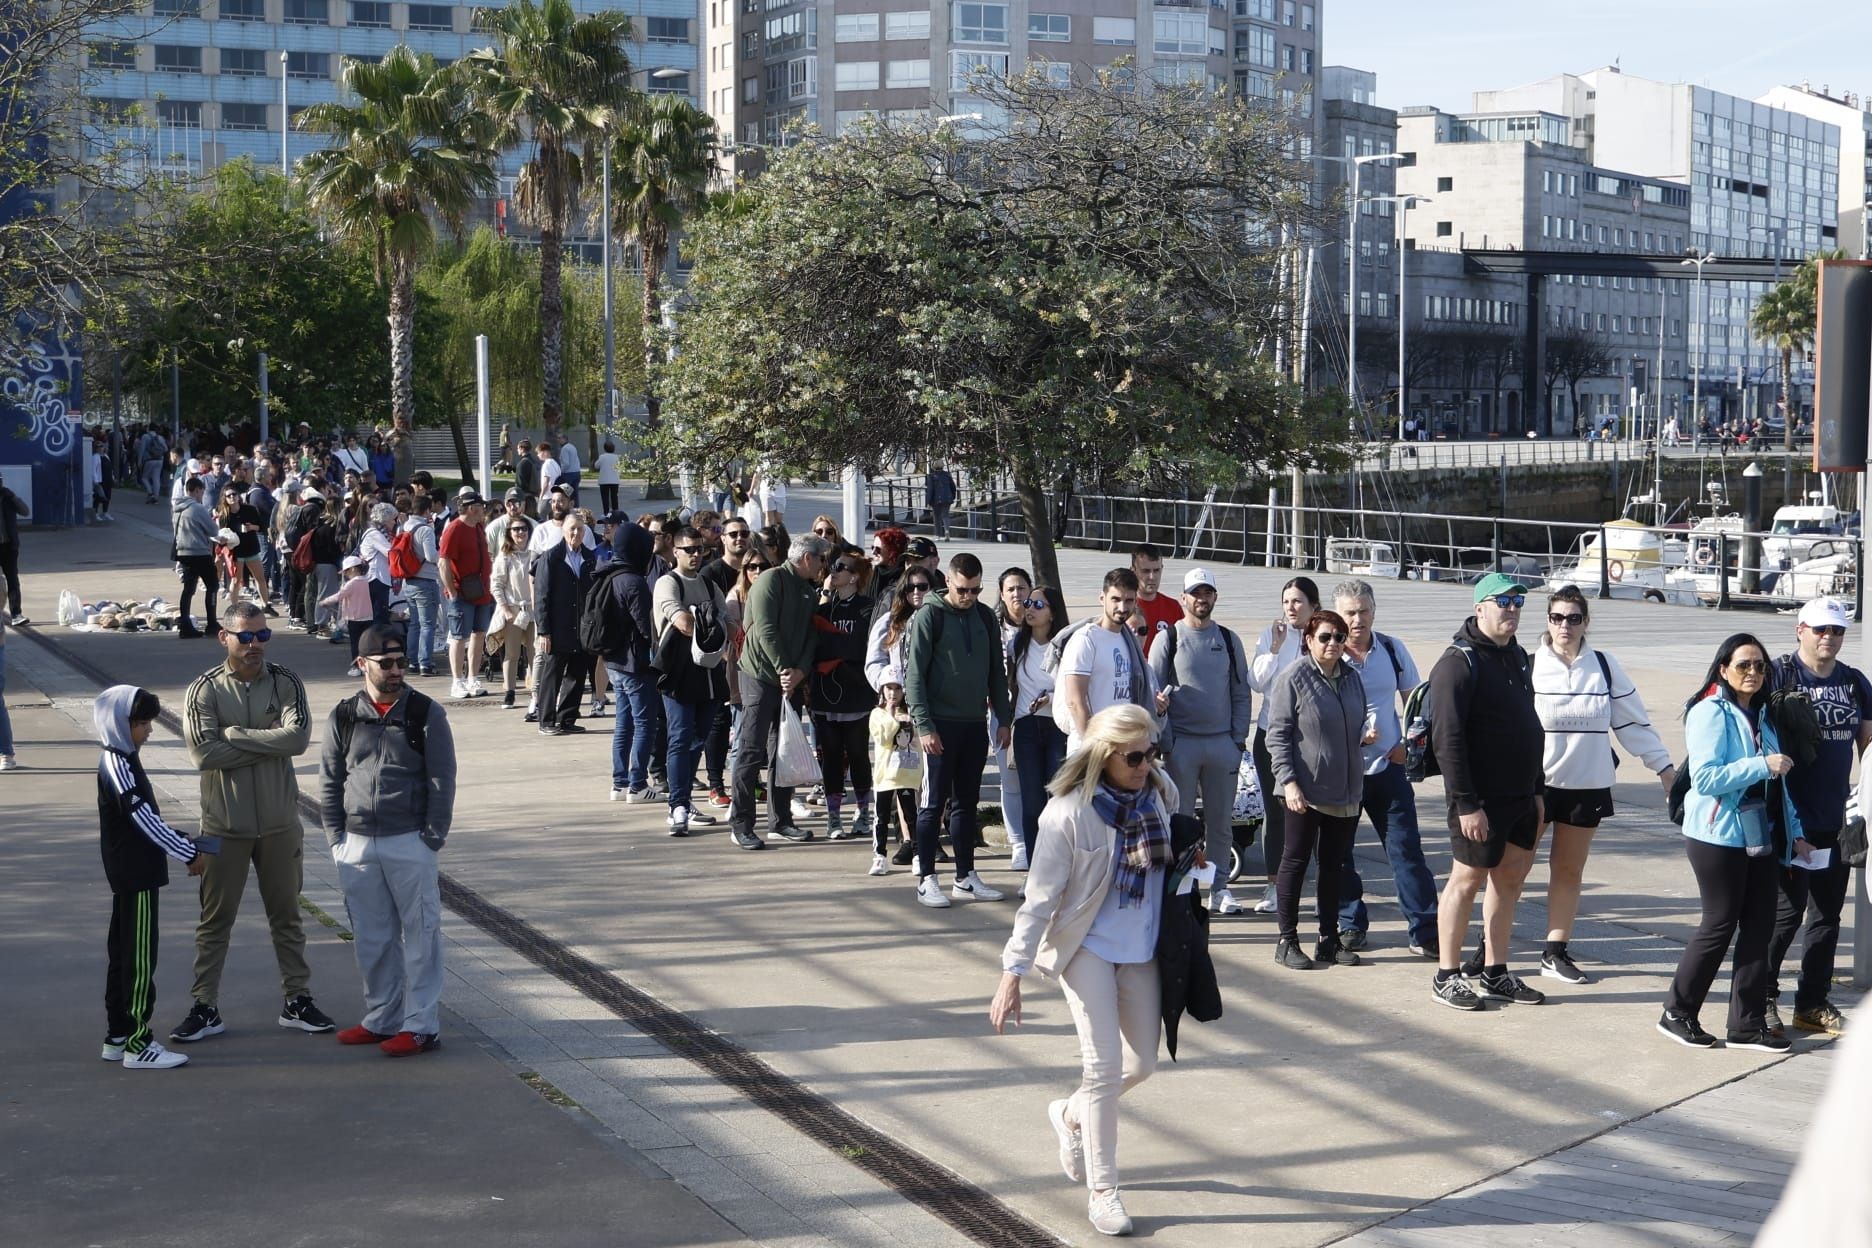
[[1181, 34], [308, 12], [1049, 27], [1306, 60], [1444, 229], [173, 58], [1287, 12], [375, 13], [113, 55], [750, 90], [179, 113], [666, 30], [242, 10], [308, 65], [979, 23], [243, 117], [907, 25], [803, 78], [845, 118], [910, 73], [750, 45], [964, 66], [1287, 58], [1114, 30], [431, 17], [855, 28], [243, 62], [1306, 17], [1261, 46], [1445, 184], [1263, 9], [856, 76], [178, 8]]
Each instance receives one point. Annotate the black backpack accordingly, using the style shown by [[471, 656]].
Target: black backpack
[[604, 627], [415, 723]]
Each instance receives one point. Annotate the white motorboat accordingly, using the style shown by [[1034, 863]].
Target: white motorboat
[[1638, 562], [1797, 529], [1362, 556]]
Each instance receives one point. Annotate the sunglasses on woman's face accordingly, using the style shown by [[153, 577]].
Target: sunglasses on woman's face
[[755, 567], [919, 587], [1330, 639], [825, 533], [1571, 619], [1137, 758], [1750, 667], [1037, 604]]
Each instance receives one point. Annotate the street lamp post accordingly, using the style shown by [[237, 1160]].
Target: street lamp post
[[285, 162], [1357, 163], [1404, 204], [610, 336], [1696, 367]]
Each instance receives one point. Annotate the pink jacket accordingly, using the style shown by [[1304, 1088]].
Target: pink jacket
[[353, 598]]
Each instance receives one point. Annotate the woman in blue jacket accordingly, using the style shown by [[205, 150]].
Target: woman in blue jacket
[[1739, 830]]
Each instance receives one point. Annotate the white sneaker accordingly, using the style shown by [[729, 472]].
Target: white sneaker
[[880, 865], [1071, 1142], [475, 688], [154, 1057], [930, 893], [458, 690], [701, 817], [617, 794], [679, 821], [1269, 902], [113, 1049], [8, 763], [971, 888], [802, 811], [1222, 901], [1018, 860], [646, 794], [1107, 1213]]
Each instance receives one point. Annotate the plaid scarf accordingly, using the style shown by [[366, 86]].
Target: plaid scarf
[[1143, 838]]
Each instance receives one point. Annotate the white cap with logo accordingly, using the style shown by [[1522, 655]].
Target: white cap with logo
[[1825, 612], [1198, 578]]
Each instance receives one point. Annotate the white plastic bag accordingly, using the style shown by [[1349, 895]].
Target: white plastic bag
[[794, 765], [70, 609]]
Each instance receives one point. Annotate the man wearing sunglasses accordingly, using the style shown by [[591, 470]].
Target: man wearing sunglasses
[[725, 569], [1842, 703], [387, 799], [245, 721], [777, 651], [1488, 742]]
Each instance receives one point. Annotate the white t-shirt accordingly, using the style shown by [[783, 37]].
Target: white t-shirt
[[547, 535], [1033, 680], [1104, 656], [608, 469]]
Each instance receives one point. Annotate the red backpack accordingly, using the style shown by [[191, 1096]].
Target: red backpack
[[406, 562]]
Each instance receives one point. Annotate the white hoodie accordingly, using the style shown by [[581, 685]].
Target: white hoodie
[[1580, 711]]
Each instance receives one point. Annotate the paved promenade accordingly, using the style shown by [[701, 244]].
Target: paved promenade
[[1340, 1103]]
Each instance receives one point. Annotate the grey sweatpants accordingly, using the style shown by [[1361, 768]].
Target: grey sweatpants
[[393, 896], [1208, 766]]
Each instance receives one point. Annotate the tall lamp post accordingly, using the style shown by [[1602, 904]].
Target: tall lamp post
[[610, 337], [285, 165], [1404, 204], [1696, 365], [1352, 214]]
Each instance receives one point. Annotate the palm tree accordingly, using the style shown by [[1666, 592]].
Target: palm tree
[[662, 156], [406, 149], [555, 80], [1785, 317]]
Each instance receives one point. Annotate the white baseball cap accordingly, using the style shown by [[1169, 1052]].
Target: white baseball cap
[[1824, 612], [1197, 578], [351, 561]]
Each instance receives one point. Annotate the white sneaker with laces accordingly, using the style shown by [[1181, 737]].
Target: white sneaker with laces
[[802, 811], [617, 794], [458, 690], [1269, 903], [930, 893], [1071, 1142], [475, 688], [113, 1048], [154, 1057], [880, 865], [971, 888], [1017, 860], [679, 821], [646, 794], [8, 763], [1222, 901], [1107, 1213]]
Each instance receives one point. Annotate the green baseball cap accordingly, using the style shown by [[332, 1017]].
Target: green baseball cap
[[1497, 583]]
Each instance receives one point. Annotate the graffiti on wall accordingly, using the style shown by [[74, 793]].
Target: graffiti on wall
[[37, 382]]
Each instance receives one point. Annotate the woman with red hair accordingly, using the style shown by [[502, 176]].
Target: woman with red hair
[[887, 551]]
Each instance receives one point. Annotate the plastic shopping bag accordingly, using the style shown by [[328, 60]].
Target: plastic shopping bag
[[1248, 803], [795, 765], [70, 609]]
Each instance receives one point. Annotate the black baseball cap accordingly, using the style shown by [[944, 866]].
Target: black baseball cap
[[380, 640]]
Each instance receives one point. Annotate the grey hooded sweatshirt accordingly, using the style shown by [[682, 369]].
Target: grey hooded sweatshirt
[[194, 527]]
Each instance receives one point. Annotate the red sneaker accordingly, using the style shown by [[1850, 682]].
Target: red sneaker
[[719, 799], [360, 1034], [409, 1044]]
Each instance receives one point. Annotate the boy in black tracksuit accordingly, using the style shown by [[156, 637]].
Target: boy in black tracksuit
[[136, 843]]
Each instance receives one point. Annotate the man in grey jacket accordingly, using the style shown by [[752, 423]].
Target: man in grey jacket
[[387, 798], [194, 529], [1205, 704]]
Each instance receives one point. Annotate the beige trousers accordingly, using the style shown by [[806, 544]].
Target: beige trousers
[[1119, 1012]]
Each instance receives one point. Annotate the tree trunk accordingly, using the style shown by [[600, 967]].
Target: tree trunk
[[462, 456], [403, 363], [656, 482], [552, 333], [1031, 490]]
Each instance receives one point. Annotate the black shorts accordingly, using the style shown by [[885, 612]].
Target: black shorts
[[1581, 808], [1511, 822]]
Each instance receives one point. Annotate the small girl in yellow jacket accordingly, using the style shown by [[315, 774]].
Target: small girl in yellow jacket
[[897, 772]]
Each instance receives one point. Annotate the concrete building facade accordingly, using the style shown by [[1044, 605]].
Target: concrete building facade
[[1848, 112]]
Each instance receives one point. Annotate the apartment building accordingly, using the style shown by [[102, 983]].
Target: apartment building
[[1850, 114], [196, 83], [775, 65]]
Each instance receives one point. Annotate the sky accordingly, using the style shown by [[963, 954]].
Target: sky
[[1438, 51]]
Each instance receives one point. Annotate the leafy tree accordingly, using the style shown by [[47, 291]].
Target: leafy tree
[[1088, 294], [555, 81], [314, 309], [1786, 316], [662, 156], [1572, 356], [407, 148]]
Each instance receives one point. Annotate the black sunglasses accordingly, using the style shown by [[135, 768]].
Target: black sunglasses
[[1827, 630], [1509, 601], [754, 567], [1037, 604], [389, 661], [1574, 618], [691, 550], [248, 636], [1750, 665], [1137, 758], [1330, 639], [967, 591], [919, 587]]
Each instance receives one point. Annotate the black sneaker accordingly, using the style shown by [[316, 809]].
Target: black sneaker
[[793, 832], [1454, 992], [1288, 953], [1761, 1039], [551, 730], [1560, 966], [532, 716], [905, 852], [566, 730], [1352, 940], [1335, 951], [746, 839], [507, 700], [1472, 965], [202, 1021], [1505, 987], [1685, 1031], [1771, 1020], [301, 1013]]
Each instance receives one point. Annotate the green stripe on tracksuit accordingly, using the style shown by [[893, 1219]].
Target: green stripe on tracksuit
[[130, 987]]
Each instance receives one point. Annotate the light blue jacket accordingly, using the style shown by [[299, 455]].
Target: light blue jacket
[[1724, 763]]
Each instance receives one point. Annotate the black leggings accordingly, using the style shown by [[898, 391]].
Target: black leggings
[[843, 744], [1739, 898], [9, 572], [607, 498], [902, 804], [1332, 834]]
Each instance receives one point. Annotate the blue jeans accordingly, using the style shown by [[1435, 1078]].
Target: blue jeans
[[633, 732], [1039, 749], [380, 603], [425, 600], [688, 724], [1392, 808]]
